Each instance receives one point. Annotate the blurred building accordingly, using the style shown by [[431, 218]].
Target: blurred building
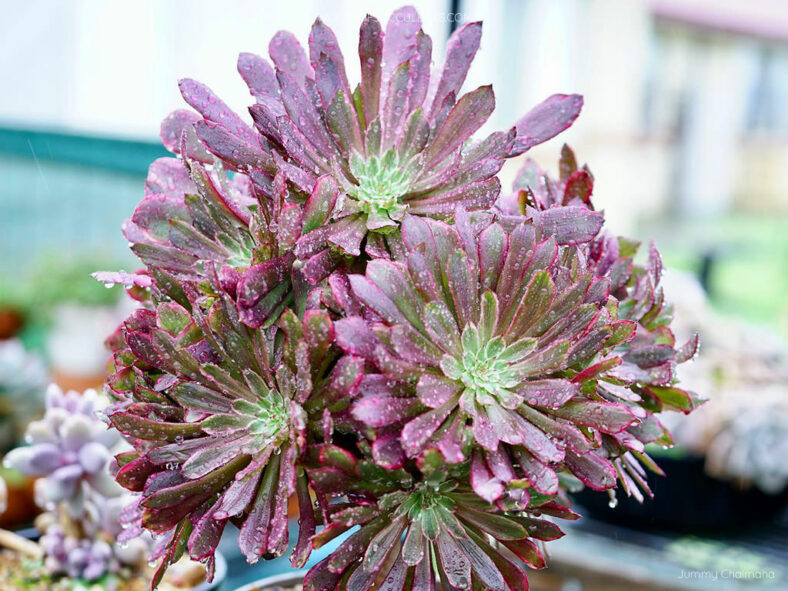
[[686, 115], [686, 100]]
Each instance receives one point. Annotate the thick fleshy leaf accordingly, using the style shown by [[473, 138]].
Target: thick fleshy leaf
[[230, 148], [594, 471], [142, 428], [454, 562], [178, 135], [418, 431], [548, 393], [579, 186], [546, 120], [570, 224], [212, 108], [460, 51], [604, 416], [379, 411], [288, 56], [370, 51], [484, 483], [259, 77], [467, 116]]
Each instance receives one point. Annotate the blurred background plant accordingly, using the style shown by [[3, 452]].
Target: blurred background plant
[[23, 379], [89, 529], [744, 435], [69, 450]]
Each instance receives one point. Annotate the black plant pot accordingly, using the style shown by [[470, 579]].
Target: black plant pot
[[686, 499]]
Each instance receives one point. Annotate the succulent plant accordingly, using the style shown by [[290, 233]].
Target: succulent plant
[[223, 435], [337, 304], [337, 168], [23, 380], [489, 333], [69, 449], [86, 533], [78, 558], [647, 362], [748, 444]]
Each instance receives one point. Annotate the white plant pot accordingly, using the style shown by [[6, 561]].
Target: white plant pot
[[264, 584]]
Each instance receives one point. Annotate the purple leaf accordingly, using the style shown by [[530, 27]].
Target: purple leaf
[[212, 108], [467, 116], [370, 51], [594, 471], [259, 77], [177, 130], [460, 51], [546, 120], [387, 452], [571, 224], [288, 56], [127, 280], [548, 393], [605, 416], [378, 411]]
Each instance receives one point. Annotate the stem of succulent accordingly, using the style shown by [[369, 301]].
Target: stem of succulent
[[71, 527], [17, 543]]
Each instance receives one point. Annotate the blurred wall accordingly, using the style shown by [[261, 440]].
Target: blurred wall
[[686, 100], [113, 67], [684, 112]]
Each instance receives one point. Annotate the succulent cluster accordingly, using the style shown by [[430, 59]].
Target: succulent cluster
[[75, 557], [70, 450], [339, 306], [747, 444]]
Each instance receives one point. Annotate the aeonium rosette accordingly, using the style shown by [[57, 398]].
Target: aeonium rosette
[[216, 413], [644, 369], [197, 224], [413, 526], [339, 307], [501, 345], [398, 142]]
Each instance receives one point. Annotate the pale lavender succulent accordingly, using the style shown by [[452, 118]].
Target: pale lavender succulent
[[69, 449], [78, 558], [90, 529]]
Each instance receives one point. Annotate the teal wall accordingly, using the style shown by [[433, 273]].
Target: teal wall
[[65, 196]]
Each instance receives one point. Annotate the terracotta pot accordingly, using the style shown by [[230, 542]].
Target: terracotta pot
[[270, 583], [21, 508], [78, 383], [11, 322]]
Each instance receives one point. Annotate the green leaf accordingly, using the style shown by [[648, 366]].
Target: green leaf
[[499, 526], [172, 317], [672, 398]]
